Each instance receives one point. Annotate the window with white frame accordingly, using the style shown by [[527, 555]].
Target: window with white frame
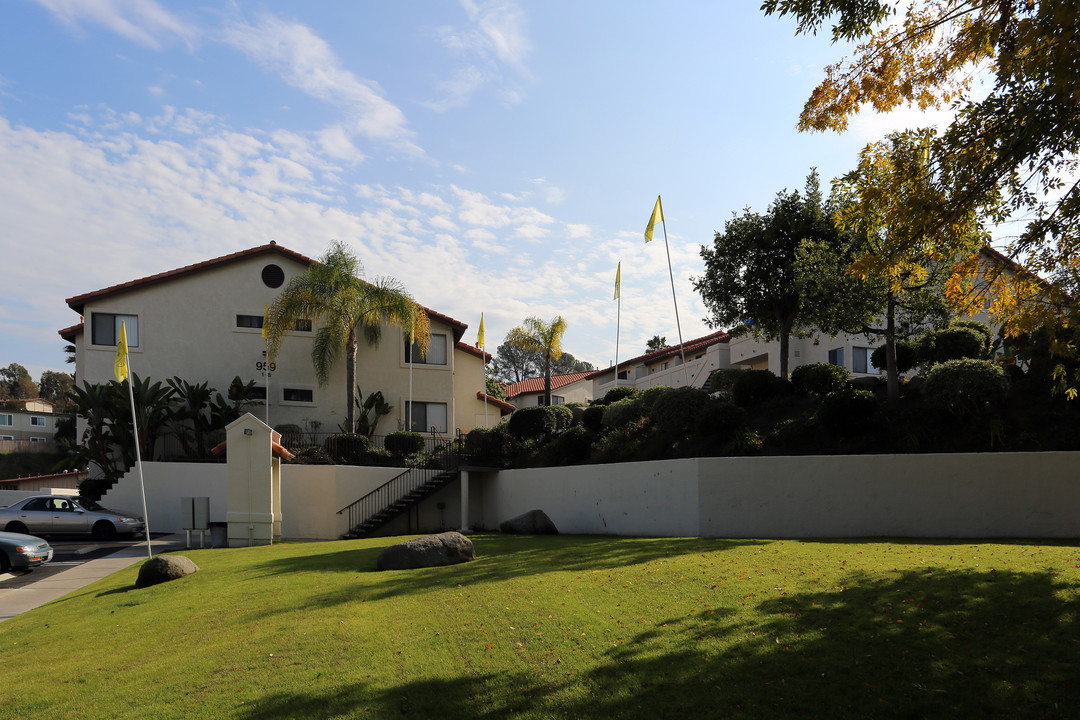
[[38, 440], [38, 421], [297, 395], [7, 437], [426, 416], [5, 419], [860, 360], [836, 357], [436, 353], [255, 322], [555, 400], [105, 328]]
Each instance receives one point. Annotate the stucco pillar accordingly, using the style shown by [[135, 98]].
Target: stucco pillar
[[254, 503]]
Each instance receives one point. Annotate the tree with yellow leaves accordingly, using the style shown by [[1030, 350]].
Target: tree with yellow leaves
[[1009, 155], [883, 275]]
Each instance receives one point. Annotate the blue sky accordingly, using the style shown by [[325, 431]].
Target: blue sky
[[496, 157]]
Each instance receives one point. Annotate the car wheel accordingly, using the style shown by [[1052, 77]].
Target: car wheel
[[104, 530], [5, 564], [16, 527]]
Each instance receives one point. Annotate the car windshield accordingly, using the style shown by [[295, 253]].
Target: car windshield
[[95, 506]]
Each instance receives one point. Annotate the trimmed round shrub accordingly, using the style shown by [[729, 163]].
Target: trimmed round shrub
[[487, 446], [291, 435], [616, 394], [650, 395], [982, 329], [950, 343], [907, 356], [848, 410], [572, 447], [593, 418], [623, 412], [719, 420], [754, 386], [818, 379], [402, 443], [966, 387], [675, 410], [563, 417], [312, 455], [539, 422], [723, 380], [347, 448]]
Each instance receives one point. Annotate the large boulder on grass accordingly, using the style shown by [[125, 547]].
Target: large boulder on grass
[[448, 548], [164, 568], [534, 522]]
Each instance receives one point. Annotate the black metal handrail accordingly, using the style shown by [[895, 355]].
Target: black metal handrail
[[443, 459]]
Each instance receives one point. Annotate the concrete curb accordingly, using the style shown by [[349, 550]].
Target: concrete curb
[[18, 600]]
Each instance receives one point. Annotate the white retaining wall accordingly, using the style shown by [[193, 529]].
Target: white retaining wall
[[311, 495], [1032, 495], [1035, 495]]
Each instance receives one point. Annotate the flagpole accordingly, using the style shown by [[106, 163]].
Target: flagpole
[[123, 371], [483, 357], [266, 354], [674, 300], [412, 351], [138, 467], [618, 319]]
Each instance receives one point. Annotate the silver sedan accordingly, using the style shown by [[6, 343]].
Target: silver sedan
[[22, 552], [65, 514]]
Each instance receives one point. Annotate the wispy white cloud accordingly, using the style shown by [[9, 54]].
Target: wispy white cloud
[[307, 62], [142, 21], [494, 45]]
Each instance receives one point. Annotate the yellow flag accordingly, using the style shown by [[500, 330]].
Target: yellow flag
[[120, 367], [480, 337], [618, 275], [657, 216], [266, 320]]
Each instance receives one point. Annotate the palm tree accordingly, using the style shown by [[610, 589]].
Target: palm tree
[[331, 291], [544, 338]]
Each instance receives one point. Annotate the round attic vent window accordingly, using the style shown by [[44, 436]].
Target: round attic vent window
[[273, 276]]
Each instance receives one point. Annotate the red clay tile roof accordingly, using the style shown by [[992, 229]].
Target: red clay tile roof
[[536, 385], [78, 302], [70, 333], [51, 476], [504, 406], [473, 350], [690, 347]]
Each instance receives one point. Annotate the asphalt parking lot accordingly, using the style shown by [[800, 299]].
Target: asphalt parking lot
[[68, 552]]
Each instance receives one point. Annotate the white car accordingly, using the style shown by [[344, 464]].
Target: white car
[[66, 514]]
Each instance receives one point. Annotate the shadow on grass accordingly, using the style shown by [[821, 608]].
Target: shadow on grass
[[914, 644], [501, 557]]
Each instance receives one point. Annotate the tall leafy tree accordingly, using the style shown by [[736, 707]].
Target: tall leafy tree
[[1012, 152], [656, 343], [545, 338], [513, 364], [54, 387], [16, 383], [884, 275], [347, 308], [750, 272], [567, 364]]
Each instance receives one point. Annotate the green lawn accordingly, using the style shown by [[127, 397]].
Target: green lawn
[[571, 627]]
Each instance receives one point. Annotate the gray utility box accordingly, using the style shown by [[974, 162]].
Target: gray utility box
[[195, 515]]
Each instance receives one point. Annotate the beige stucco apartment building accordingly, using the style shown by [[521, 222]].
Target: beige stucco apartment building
[[203, 322]]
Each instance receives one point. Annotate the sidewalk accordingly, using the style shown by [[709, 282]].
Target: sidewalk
[[19, 600]]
